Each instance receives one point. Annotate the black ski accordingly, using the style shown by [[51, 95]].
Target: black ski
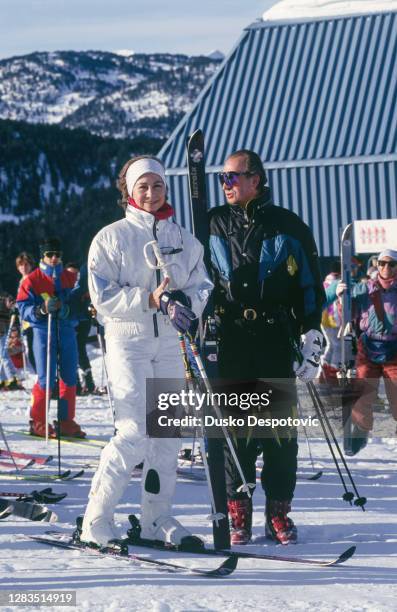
[[28, 510], [346, 337], [58, 539], [135, 540], [45, 496], [199, 209]]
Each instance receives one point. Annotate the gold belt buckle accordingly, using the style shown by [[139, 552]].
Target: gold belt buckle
[[250, 314]]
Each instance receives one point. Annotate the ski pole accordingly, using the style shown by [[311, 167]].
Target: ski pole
[[57, 376], [246, 486], [323, 418], [48, 376], [215, 516], [104, 370], [6, 340], [8, 448], [317, 474], [360, 501]]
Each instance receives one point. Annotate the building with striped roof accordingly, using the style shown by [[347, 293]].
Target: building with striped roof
[[312, 88]]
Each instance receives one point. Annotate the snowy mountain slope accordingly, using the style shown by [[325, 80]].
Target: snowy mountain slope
[[327, 525], [106, 93]]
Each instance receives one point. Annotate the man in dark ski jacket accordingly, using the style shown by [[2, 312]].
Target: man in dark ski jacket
[[267, 290], [49, 289]]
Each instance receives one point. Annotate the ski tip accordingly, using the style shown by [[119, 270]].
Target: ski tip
[[346, 555], [227, 567], [316, 476]]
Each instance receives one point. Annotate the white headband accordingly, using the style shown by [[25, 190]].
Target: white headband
[[141, 167]]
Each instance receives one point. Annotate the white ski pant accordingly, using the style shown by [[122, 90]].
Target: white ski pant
[[130, 361]]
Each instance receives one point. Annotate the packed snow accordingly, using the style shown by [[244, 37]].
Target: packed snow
[[302, 9], [327, 526]]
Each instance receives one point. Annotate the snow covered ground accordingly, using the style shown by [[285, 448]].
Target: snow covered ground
[[327, 525]]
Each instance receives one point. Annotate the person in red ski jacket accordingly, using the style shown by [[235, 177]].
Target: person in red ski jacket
[[49, 289]]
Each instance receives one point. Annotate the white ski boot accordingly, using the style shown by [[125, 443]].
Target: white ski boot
[[98, 524]]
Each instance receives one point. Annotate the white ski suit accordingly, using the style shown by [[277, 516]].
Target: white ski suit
[[141, 343]]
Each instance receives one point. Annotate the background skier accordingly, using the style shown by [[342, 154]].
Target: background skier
[[48, 289], [375, 313]]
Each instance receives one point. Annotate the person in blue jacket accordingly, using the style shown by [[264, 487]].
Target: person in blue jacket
[[268, 294], [49, 289]]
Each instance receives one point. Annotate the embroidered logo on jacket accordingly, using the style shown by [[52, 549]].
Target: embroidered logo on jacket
[[292, 266]]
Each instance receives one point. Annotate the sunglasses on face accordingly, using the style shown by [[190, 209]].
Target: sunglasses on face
[[230, 179], [383, 264], [53, 254]]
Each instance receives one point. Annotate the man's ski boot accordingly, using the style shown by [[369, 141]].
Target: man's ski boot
[[166, 532], [100, 533], [279, 527], [70, 429], [240, 511], [37, 428]]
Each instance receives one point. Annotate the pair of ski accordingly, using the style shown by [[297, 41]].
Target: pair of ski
[[28, 510], [68, 440], [30, 505], [45, 496], [67, 475], [59, 539], [29, 460]]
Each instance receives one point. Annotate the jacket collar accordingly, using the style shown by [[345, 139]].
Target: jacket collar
[[374, 286], [254, 206], [141, 218], [51, 271]]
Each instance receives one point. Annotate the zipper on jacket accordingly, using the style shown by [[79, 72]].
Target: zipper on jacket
[[158, 279]]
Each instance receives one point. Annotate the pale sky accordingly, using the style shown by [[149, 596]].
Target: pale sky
[[174, 26]]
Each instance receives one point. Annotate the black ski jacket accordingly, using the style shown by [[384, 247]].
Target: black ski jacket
[[264, 258]]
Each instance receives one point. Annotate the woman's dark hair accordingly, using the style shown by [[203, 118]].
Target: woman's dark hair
[[121, 181], [253, 164]]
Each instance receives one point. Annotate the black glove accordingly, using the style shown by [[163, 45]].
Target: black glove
[[176, 305]]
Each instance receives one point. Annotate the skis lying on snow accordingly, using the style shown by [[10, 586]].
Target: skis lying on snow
[[67, 440], [33, 458], [120, 552], [64, 476], [17, 465], [135, 540], [45, 496], [28, 510]]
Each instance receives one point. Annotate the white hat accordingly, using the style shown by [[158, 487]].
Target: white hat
[[141, 167], [388, 253]]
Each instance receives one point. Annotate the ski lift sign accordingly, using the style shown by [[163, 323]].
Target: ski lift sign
[[375, 235]]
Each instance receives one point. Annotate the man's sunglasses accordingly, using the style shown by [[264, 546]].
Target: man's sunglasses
[[230, 179], [391, 264], [53, 254]]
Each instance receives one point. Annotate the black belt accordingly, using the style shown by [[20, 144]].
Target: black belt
[[253, 314], [247, 315]]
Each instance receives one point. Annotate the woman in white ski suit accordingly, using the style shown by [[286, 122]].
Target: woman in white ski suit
[[141, 343]]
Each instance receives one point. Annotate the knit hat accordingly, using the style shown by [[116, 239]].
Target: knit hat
[[141, 167], [50, 244], [388, 253]]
